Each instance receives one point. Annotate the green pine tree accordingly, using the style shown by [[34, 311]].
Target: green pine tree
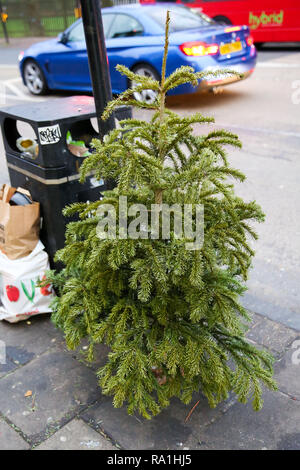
[[171, 316]]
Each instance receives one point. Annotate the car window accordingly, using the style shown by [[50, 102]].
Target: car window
[[77, 33], [107, 20], [125, 26], [181, 18]]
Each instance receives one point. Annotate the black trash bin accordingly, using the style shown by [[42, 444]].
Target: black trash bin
[[52, 174]]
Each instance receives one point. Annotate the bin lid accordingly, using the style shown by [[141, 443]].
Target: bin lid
[[52, 111]]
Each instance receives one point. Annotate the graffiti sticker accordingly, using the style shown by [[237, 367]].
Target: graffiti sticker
[[49, 134]]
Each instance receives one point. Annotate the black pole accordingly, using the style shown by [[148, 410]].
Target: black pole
[[65, 13], [99, 71], [4, 24]]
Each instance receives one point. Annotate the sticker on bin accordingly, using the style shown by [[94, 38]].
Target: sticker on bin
[[95, 183], [49, 134]]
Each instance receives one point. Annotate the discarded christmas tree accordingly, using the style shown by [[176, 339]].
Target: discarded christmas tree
[[170, 315]]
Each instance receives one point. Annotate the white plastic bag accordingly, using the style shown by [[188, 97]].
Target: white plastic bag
[[20, 296]]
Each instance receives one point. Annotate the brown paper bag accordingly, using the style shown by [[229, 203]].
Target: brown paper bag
[[19, 225]]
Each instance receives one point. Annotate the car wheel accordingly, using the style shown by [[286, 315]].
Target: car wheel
[[146, 96], [34, 78], [222, 19]]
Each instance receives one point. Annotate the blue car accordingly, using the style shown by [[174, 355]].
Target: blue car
[[135, 38]]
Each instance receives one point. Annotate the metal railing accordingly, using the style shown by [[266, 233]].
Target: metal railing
[[42, 17]]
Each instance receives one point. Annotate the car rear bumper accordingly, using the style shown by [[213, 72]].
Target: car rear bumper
[[208, 84], [243, 66]]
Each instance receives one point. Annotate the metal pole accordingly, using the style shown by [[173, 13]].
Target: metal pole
[[4, 24], [65, 13], [98, 64]]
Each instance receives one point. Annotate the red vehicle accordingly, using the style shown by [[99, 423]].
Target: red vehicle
[[269, 20]]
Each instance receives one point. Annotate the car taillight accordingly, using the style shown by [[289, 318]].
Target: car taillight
[[197, 48], [21, 55], [249, 40]]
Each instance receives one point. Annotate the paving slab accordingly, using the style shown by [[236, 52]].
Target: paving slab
[[27, 339], [287, 371], [100, 355], [166, 431], [10, 439], [272, 335], [76, 435], [7, 367], [275, 427], [60, 386], [255, 319]]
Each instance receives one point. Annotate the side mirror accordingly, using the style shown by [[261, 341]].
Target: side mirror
[[63, 38]]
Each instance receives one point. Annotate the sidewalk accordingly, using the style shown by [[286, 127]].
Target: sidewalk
[[21, 43], [67, 411], [9, 52]]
